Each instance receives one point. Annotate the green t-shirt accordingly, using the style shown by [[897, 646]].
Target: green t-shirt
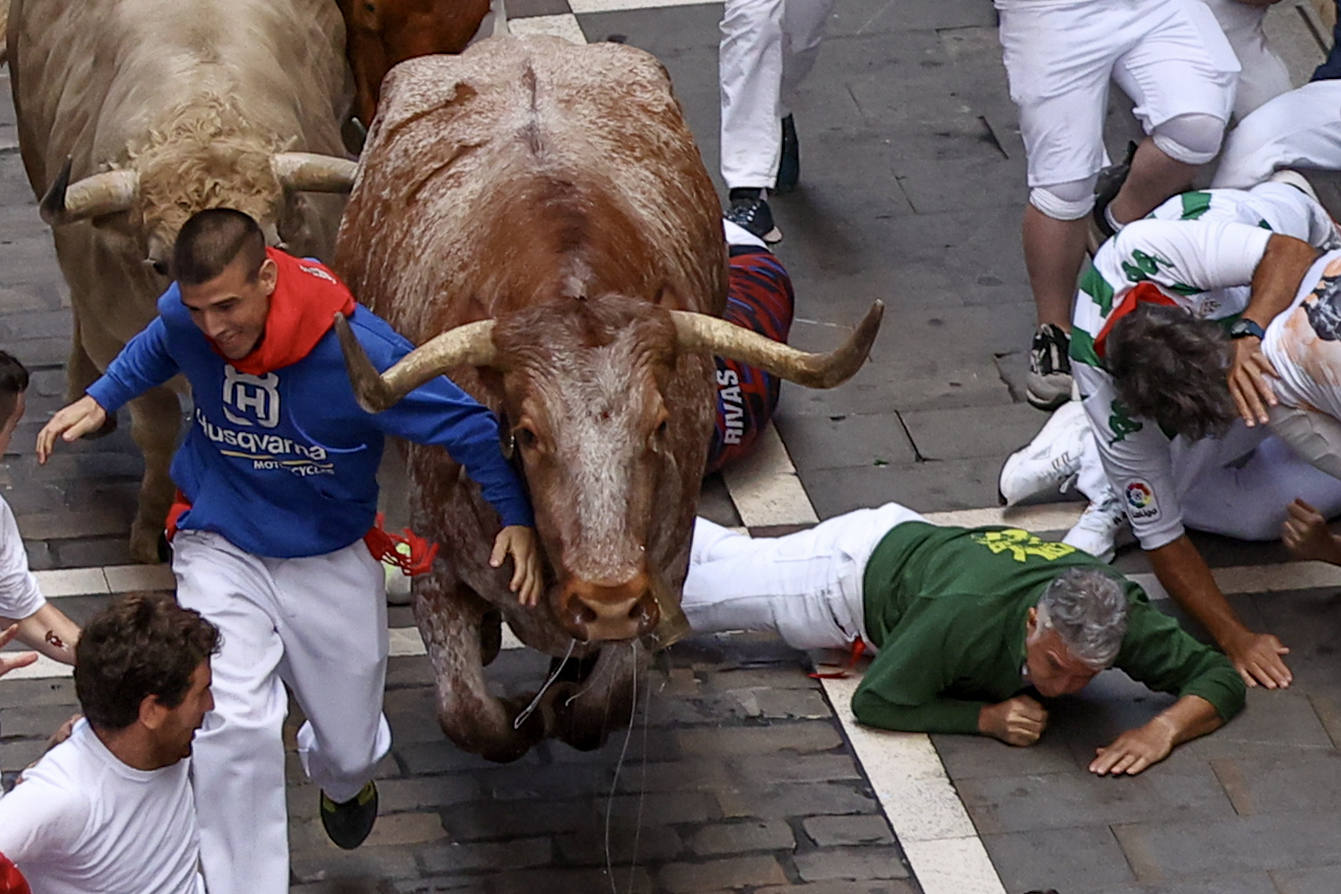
[[947, 608]]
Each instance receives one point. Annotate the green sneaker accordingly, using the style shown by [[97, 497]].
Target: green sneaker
[[348, 823]]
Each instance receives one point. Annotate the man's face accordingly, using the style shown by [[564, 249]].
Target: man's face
[[7, 432], [173, 736], [231, 308], [1053, 670]]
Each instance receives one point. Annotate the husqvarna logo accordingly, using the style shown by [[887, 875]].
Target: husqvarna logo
[[250, 400]]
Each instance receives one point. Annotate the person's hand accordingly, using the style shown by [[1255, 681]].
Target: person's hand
[[1256, 656], [1306, 536], [1247, 379], [1134, 750], [1016, 721], [527, 575], [14, 660], [70, 424]]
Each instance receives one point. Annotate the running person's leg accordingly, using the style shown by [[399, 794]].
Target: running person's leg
[[1264, 74]]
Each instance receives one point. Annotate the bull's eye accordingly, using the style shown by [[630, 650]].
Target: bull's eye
[[526, 437], [657, 439]]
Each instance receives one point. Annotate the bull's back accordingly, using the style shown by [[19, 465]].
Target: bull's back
[[89, 76], [528, 153]]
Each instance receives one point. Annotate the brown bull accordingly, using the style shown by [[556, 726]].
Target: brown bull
[[536, 216], [133, 115], [383, 33]]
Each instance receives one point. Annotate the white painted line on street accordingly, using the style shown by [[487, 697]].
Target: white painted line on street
[[909, 779], [585, 6]]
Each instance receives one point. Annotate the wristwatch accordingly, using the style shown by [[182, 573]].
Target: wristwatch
[[1243, 327]]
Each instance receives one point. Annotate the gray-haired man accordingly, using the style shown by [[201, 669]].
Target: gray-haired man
[[963, 620]]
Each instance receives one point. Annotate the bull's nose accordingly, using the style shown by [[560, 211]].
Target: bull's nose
[[594, 612]]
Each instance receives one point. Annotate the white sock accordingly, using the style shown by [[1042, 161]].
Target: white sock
[[1108, 216]]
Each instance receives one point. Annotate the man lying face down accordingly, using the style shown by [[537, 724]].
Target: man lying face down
[[964, 621]]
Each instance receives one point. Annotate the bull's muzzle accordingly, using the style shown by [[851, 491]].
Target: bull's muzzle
[[596, 612]]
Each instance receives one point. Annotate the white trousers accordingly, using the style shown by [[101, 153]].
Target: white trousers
[[1169, 56], [768, 47], [1298, 129], [1238, 485], [316, 623], [1315, 436], [806, 587], [1264, 74]]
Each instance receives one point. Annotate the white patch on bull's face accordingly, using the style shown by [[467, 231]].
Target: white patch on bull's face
[[596, 409]]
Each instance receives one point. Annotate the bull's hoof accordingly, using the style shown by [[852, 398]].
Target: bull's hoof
[[148, 545]]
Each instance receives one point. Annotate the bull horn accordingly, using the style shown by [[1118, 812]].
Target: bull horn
[[310, 172], [701, 332], [470, 344], [105, 193]]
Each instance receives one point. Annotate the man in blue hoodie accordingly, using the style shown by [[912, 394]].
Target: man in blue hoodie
[[277, 492]]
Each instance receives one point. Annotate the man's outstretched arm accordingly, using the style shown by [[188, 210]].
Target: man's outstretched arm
[[1136, 749], [1184, 574]]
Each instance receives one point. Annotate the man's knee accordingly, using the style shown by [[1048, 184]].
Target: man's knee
[[1193, 139], [1064, 201]]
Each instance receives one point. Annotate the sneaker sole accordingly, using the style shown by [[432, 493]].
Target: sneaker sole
[[1045, 404], [773, 236]]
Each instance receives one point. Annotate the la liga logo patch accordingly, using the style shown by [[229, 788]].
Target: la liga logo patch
[[1141, 502]]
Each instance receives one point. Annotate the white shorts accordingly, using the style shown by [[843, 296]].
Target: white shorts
[[1299, 129], [1169, 56]]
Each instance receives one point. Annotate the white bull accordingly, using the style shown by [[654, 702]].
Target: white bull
[[135, 114]]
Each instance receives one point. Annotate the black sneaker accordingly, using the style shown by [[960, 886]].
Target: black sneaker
[[749, 210], [1106, 188], [789, 168], [348, 823], [1049, 383]]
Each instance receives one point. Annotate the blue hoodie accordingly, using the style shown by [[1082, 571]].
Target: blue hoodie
[[284, 463]]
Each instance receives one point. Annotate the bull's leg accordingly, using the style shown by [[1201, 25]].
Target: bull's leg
[[155, 418], [588, 711], [81, 372], [450, 619]]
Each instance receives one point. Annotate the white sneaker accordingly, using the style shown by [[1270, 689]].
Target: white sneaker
[[1097, 530], [1051, 460]]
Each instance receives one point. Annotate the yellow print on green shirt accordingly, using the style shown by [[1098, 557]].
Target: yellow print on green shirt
[[1021, 544]]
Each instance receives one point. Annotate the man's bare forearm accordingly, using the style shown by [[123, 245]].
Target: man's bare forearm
[[1277, 276], [1189, 718], [50, 632], [1186, 577]]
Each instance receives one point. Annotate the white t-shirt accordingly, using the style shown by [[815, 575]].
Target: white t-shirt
[[1303, 343], [82, 822], [19, 596], [1199, 251]]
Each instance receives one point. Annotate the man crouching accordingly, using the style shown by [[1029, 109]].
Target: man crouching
[[963, 621]]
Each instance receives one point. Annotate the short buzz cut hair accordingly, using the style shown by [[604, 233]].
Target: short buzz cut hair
[[1088, 609], [13, 382], [1170, 366], [212, 239], [142, 644]]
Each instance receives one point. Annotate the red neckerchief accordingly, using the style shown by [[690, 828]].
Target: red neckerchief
[[11, 881], [854, 655], [1141, 293], [302, 310]]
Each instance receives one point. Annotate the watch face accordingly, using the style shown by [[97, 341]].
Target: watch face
[[1245, 328]]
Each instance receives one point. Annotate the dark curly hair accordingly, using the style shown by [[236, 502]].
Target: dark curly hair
[[1169, 366], [142, 644], [13, 382]]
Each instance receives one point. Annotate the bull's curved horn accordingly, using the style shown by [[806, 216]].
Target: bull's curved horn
[[310, 172], [701, 332], [470, 344], [104, 193]]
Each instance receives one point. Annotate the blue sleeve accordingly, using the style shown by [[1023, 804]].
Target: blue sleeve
[[440, 413], [1331, 67], [142, 364]]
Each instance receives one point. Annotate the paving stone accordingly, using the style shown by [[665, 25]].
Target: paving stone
[[804, 736], [459, 857], [740, 837], [844, 441], [787, 768], [416, 794], [883, 886], [996, 431], [839, 830], [801, 799], [438, 884], [1064, 859], [1298, 780], [851, 863], [1011, 803], [369, 864], [444, 757], [1251, 883], [502, 819], [1315, 880], [539, 881], [1173, 850], [627, 844], [929, 487], [729, 872]]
